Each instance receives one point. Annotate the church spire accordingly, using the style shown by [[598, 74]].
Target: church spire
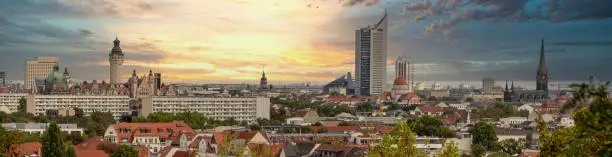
[[506, 85], [542, 73]]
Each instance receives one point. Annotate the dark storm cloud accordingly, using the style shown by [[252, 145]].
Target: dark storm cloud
[[583, 43], [454, 12], [75, 9], [359, 2], [85, 32]]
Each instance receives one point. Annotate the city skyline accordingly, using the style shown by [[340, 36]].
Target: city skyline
[[213, 45]]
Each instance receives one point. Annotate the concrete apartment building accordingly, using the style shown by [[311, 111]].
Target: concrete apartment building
[[241, 109], [38, 68], [487, 85]]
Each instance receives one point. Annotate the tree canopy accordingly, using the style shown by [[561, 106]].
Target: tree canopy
[[592, 133], [450, 150], [430, 126], [125, 151], [399, 142], [53, 144], [484, 134]]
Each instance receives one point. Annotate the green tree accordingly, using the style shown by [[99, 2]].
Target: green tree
[[365, 107], [8, 141], [512, 146], [161, 117], [229, 147], [394, 106], [194, 119], [484, 135], [450, 150], [125, 151], [53, 143], [97, 123], [70, 152], [399, 142], [23, 105], [79, 112], [430, 126], [499, 154], [592, 133], [478, 150]]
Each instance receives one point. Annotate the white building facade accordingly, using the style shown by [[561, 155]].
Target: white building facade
[[116, 105], [241, 109], [37, 69], [11, 101]]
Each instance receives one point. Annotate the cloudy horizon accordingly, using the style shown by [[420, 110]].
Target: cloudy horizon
[[230, 41]]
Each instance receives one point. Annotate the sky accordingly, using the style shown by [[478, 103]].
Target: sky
[[232, 41]]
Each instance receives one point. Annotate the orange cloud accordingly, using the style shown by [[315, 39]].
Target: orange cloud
[[204, 41]]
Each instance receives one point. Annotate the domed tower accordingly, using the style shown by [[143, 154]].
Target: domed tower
[[115, 58]]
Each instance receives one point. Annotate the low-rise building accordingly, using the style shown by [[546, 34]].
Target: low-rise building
[[39, 128], [459, 105], [154, 136], [566, 121], [512, 121]]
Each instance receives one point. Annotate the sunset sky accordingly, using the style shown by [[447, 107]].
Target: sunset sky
[[230, 41]]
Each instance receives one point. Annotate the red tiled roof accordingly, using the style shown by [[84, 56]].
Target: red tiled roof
[[90, 144], [301, 113], [336, 98], [90, 153], [246, 135], [450, 120], [431, 109], [28, 148], [275, 149], [154, 129], [409, 96]]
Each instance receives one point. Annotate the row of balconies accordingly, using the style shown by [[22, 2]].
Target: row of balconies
[[207, 107]]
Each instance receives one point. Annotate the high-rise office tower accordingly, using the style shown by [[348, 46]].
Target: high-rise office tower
[[38, 69], [487, 85], [157, 79], [542, 76], [115, 58], [3, 77], [371, 58]]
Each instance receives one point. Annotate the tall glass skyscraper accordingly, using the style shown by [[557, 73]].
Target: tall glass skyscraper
[[371, 58]]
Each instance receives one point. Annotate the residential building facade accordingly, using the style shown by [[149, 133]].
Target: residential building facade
[[241, 109], [116, 105]]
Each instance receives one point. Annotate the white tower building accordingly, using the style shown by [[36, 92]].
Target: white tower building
[[115, 58], [371, 58]]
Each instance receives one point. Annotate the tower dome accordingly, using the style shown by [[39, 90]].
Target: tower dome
[[116, 49], [399, 81]]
